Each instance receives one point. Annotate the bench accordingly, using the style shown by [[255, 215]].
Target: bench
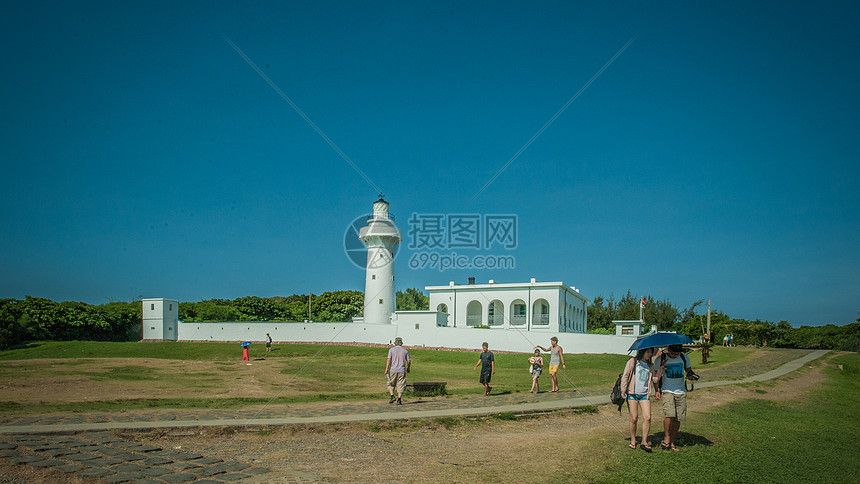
[[427, 387]]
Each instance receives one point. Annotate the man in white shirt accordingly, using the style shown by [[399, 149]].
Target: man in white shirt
[[399, 363], [672, 367]]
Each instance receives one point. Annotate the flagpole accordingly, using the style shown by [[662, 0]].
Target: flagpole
[[709, 318]]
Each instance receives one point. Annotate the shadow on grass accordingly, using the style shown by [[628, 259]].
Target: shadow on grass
[[24, 346], [684, 439]]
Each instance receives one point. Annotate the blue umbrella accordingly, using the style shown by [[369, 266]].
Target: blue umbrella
[[660, 339], [246, 343]]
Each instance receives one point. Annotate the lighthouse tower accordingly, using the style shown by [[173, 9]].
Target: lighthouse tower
[[381, 237]]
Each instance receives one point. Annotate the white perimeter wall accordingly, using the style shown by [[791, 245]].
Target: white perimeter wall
[[513, 340], [287, 332], [426, 334]]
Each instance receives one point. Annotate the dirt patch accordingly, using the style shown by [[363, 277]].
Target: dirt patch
[[61, 380]]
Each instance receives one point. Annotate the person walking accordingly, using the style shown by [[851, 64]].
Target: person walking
[[488, 367], [397, 365], [637, 388], [268, 342], [671, 368], [537, 367], [556, 358]]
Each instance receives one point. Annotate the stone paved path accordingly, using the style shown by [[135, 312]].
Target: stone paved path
[[81, 444], [111, 459]]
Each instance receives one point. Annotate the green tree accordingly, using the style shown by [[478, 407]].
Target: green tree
[[412, 300], [662, 313], [781, 335], [600, 314], [337, 306], [11, 331], [254, 308], [628, 307]]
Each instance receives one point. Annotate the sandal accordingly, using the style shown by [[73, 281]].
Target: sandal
[[665, 445], [646, 447], [672, 446], [632, 446]]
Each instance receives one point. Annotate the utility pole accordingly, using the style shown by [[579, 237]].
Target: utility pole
[[309, 305], [709, 318]]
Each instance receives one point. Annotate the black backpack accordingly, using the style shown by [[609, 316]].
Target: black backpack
[[616, 397]]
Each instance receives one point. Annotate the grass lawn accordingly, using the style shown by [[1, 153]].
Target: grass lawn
[[204, 375], [212, 375], [811, 438]]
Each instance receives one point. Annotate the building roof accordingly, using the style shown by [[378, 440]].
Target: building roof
[[506, 285]]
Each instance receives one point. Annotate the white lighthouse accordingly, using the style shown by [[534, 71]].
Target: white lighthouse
[[381, 238]]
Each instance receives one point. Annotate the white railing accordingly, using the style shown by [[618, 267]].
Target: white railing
[[541, 320], [518, 320], [497, 320], [473, 320]]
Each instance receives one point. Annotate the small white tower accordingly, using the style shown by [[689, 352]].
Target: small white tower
[[381, 238], [160, 319]]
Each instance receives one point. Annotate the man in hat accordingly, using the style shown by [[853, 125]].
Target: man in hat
[[671, 369], [397, 365]]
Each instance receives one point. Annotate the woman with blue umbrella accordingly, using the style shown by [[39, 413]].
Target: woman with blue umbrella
[[637, 383]]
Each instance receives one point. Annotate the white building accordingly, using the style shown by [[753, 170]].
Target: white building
[[508, 316], [632, 327], [160, 319], [546, 306]]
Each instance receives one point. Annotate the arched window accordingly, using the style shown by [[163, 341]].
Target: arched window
[[443, 308], [518, 313], [473, 314], [540, 313], [496, 313]]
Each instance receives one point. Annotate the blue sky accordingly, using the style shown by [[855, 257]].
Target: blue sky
[[715, 157]]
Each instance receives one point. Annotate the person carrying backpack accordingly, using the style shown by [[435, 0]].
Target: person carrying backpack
[[637, 388], [671, 369]]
